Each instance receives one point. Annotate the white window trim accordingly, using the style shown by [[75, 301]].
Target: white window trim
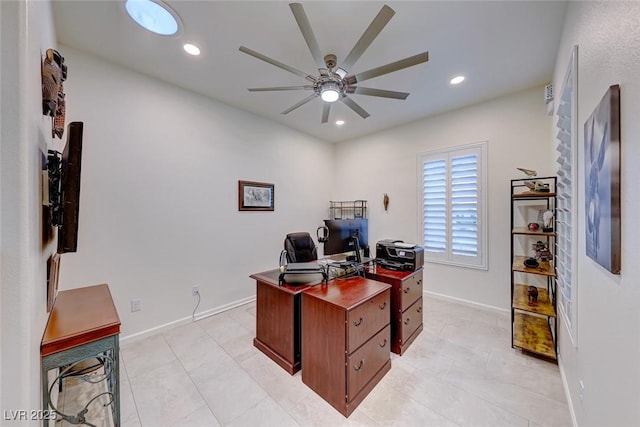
[[480, 262]]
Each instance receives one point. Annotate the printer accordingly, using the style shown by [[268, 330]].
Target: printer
[[397, 255]]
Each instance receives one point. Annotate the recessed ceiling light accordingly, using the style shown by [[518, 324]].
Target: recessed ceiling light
[[339, 122], [456, 80], [191, 49], [154, 16]]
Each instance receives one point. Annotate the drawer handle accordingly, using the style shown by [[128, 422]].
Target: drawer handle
[[383, 305], [357, 322], [407, 289], [419, 282], [383, 343], [359, 365], [406, 322], [419, 310]]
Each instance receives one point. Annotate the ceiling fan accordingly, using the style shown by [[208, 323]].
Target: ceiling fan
[[335, 83]]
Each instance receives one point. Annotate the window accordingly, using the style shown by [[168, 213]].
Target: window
[[453, 207], [567, 204]]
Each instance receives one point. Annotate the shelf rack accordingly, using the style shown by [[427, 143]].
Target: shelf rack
[[533, 323], [351, 209]]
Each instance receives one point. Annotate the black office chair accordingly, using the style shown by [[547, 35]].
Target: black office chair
[[300, 247]]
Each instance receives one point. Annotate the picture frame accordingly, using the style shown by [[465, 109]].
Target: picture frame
[[602, 182], [256, 196]]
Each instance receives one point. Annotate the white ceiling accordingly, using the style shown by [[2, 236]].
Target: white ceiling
[[501, 46]]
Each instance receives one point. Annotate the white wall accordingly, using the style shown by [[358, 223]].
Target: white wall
[[608, 318], [158, 204], [517, 130], [26, 33]]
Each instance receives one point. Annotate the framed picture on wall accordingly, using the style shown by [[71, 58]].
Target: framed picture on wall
[[255, 196], [602, 181]]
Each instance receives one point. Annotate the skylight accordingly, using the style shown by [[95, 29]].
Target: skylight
[[153, 16]]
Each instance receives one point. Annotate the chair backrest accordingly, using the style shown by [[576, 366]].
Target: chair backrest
[[300, 247]]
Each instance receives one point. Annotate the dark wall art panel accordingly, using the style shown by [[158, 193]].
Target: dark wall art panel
[[602, 181]]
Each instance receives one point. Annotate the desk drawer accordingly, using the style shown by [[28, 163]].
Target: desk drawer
[[367, 319], [366, 361], [410, 290], [411, 320]]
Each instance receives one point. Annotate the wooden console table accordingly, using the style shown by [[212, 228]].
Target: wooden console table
[[83, 324]]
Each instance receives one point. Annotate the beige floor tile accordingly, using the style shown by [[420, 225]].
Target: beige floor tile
[[240, 347], [392, 407], [201, 417], [461, 406], [266, 413], [165, 395], [287, 390], [146, 355], [222, 327], [193, 346], [228, 390], [519, 397], [245, 315], [128, 410], [313, 411]]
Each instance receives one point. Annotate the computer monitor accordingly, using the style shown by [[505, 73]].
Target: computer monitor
[[347, 235]]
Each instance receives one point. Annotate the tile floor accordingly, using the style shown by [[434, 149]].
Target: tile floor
[[461, 371]]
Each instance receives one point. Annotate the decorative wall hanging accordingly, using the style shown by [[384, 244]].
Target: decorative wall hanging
[[54, 72], [385, 202], [53, 273], [255, 196], [602, 181]]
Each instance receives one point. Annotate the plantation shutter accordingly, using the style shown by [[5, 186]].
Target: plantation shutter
[[464, 205], [452, 207], [566, 241], [435, 205]]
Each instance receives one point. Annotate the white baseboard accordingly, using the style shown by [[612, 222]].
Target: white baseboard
[[129, 339], [224, 308], [565, 385], [465, 301]]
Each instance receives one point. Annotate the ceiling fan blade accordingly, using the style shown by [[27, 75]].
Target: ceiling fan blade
[[277, 63], [268, 89], [326, 107], [307, 33], [376, 26], [377, 92], [355, 107], [388, 68], [299, 104]]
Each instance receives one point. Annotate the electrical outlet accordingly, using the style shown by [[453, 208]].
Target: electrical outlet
[[195, 290], [581, 391], [136, 305]]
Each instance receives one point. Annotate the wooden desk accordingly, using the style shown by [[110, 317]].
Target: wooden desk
[[406, 304], [278, 320], [346, 340], [83, 324]]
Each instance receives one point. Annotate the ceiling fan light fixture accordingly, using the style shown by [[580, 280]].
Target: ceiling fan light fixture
[[330, 92], [154, 16], [342, 73]]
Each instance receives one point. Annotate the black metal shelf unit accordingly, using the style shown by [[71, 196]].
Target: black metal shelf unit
[[534, 327]]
